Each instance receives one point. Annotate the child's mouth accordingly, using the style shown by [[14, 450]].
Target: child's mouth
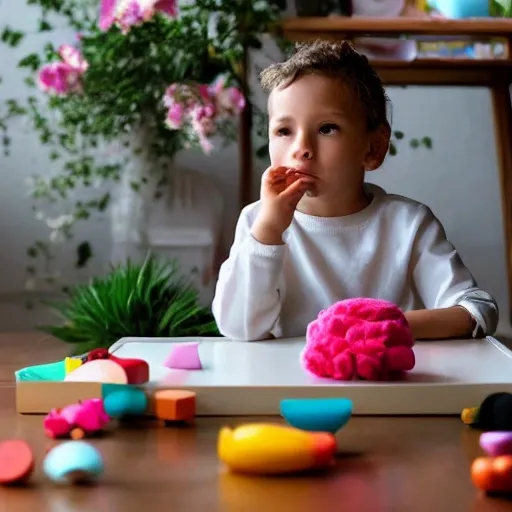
[[303, 173]]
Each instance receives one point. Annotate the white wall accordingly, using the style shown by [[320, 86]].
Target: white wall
[[458, 179]]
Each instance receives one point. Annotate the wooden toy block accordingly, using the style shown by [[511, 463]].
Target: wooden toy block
[[174, 404]]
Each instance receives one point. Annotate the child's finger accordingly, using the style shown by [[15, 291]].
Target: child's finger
[[300, 186], [274, 172]]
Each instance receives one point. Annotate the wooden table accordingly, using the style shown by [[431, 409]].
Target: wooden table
[[386, 464], [494, 74]]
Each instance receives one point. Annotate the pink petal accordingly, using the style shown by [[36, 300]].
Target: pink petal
[[107, 9], [73, 58], [57, 78], [175, 116]]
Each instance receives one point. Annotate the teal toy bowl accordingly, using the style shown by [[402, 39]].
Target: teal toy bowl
[[317, 414]]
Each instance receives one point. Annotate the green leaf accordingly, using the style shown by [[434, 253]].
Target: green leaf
[[427, 142], [44, 26], [398, 135], [414, 143], [392, 149], [31, 61], [11, 37]]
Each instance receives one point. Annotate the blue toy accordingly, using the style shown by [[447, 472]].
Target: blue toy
[[461, 8], [317, 414], [73, 462], [125, 402]]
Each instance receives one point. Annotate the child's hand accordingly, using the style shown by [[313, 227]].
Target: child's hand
[[281, 190]]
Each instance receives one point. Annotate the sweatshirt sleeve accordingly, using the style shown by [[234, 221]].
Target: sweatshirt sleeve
[[442, 280], [247, 305]]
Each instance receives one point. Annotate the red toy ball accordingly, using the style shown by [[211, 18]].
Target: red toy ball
[[359, 338]]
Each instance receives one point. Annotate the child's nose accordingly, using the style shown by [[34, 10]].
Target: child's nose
[[303, 149]]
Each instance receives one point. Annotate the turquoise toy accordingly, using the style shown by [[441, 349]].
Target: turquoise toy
[[461, 8], [127, 401], [73, 462], [317, 414]]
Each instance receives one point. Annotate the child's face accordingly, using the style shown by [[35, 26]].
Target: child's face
[[318, 126]]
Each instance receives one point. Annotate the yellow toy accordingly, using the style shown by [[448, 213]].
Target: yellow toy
[[71, 363], [264, 448]]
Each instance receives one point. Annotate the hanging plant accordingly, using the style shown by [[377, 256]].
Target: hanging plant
[[172, 67]]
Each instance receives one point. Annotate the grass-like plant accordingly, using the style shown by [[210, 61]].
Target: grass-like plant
[[135, 299]]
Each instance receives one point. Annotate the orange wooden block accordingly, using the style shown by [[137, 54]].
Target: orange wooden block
[[175, 405]]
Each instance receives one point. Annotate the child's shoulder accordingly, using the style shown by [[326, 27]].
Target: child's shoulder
[[395, 204]]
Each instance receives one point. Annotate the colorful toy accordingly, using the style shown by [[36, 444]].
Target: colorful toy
[[492, 474], [137, 370], [263, 448], [317, 415], [174, 405], [126, 402], [99, 370], [184, 356], [494, 413], [359, 338], [461, 8], [77, 420], [73, 462], [496, 443], [16, 462], [71, 364]]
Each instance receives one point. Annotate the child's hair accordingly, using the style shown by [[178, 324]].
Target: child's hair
[[337, 60]]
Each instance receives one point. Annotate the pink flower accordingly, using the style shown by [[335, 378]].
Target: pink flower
[[128, 13], [63, 77], [231, 100], [175, 116], [107, 8], [59, 78], [198, 107], [72, 56]]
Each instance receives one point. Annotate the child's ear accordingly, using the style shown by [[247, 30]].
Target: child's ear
[[379, 146]]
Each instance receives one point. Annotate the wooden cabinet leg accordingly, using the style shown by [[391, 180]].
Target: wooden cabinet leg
[[503, 130]]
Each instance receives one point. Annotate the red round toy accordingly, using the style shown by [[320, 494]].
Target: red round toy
[[360, 338], [16, 462]]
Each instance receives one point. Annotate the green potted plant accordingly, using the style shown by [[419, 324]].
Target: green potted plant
[[149, 299]]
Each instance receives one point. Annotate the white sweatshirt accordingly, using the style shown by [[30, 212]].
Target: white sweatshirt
[[394, 249]]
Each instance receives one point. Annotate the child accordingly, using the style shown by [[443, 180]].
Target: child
[[320, 234]]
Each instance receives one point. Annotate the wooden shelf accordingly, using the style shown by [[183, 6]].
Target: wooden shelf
[[431, 71], [321, 26]]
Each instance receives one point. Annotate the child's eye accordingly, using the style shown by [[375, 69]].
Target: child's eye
[[283, 132], [329, 129]]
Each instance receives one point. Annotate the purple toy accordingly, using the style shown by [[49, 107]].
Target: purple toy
[[184, 356], [496, 443]]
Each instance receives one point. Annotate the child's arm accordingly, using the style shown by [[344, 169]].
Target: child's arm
[[247, 302], [444, 323], [455, 306]]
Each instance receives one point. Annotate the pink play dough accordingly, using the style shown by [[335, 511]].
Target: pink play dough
[[184, 356], [359, 339]]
